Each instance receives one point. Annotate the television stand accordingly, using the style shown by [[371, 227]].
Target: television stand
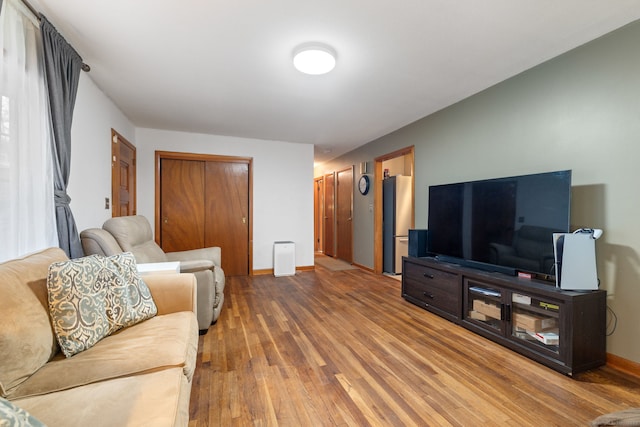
[[564, 330]]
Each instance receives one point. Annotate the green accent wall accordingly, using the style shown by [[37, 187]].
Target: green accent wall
[[578, 111]]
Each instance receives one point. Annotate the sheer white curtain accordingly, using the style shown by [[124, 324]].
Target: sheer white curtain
[[27, 215]]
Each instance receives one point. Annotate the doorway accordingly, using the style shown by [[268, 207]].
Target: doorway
[[318, 214], [400, 162], [123, 176], [344, 215], [329, 215]]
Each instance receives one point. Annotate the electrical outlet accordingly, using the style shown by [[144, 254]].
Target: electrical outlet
[[106, 203]]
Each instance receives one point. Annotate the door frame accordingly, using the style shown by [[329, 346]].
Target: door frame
[[377, 200], [160, 155], [117, 141]]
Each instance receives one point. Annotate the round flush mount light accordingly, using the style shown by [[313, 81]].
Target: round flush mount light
[[314, 59]]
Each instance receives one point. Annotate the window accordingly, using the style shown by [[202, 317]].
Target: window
[[27, 215]]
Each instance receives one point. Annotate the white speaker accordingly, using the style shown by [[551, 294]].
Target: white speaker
[[575, 257], [284, 259]]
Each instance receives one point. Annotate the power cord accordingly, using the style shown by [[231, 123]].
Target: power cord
[[613, 320]]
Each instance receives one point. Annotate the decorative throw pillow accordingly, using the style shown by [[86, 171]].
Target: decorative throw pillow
[[129, 299], [93, 297], [13, 416]]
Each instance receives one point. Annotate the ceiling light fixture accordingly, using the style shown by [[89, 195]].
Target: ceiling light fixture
[[314, 59]]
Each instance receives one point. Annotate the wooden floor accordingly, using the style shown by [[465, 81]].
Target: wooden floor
[[342, 348]]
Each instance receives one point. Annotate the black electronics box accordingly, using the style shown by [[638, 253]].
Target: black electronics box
[[418, 243]]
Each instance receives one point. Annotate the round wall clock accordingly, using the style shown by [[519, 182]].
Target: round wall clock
[[363, 184]]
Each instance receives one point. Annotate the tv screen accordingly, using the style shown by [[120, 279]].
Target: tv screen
[[502, 224]]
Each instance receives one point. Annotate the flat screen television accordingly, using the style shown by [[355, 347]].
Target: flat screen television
[[503, 224]]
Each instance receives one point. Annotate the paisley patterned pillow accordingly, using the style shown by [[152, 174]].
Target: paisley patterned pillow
[[93, 297], [11, 415]]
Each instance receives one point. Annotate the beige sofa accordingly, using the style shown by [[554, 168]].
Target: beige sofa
[[139, 375], [133, 234]]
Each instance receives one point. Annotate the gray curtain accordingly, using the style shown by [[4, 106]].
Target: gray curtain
[[62, 71]]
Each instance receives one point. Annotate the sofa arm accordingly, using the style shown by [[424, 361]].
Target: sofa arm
[[173, 292], [213, 253]]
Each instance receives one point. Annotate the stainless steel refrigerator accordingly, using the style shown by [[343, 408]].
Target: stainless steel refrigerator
[[396, 221]]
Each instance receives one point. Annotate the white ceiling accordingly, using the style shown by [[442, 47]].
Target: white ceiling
[[224, 66]]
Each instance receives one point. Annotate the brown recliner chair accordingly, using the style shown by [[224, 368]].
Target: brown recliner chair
[[133, 234]]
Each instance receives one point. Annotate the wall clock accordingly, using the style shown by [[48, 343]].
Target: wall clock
[[363, 184]]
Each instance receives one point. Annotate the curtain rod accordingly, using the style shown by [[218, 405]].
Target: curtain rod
[[85, 67]]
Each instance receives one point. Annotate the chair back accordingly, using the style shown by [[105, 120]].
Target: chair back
[[133, 234], [96, 241]]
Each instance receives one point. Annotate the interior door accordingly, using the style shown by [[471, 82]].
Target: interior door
[[329, 217], [318, 214], [344, 214], [227, 214], [123, 176], [182, 192]]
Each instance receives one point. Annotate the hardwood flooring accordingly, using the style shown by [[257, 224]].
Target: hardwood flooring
[[342, 348]]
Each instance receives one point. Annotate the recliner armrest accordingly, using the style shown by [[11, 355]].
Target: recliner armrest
[[212, 253], [195, 265]]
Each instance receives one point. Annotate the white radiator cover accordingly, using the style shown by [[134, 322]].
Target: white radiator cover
[[284, 258]]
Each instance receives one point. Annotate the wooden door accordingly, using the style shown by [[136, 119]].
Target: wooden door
[[329, 217], [318, 214], [182, 192], [123, 176], [202, 201], [227, 214], [344, 211]]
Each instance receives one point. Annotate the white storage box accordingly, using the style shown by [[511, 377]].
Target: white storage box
[[284, 259], [159, 267]]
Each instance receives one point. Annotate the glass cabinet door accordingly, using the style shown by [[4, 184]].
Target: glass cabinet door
[[485, 306], [536, 321]]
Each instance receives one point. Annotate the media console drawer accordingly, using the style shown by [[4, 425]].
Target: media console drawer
[[431, 288]]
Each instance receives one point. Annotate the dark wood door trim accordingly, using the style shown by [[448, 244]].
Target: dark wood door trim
[[160, 155]]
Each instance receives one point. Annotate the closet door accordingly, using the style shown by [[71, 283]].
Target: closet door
[[227, 213], [182, 195]]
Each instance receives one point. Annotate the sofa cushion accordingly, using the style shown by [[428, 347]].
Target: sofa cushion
[[93, 297], [27, 340], [130, 351], [158, 399], [11, 415]]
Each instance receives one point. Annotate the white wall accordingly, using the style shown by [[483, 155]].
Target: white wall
[[282, 186], [90, 177]]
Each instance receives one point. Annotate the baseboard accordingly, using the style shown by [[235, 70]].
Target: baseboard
[[624, 365], [269, 271], [262, 272], [355, 264]]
